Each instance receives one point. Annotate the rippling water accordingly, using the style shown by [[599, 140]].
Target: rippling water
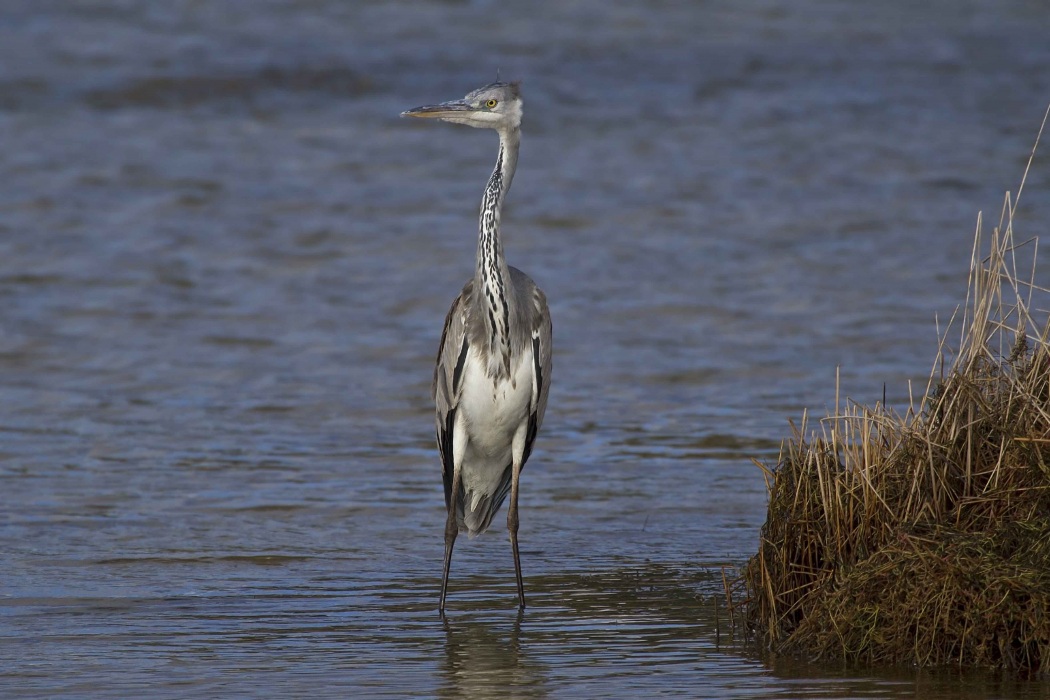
[[224, 263]]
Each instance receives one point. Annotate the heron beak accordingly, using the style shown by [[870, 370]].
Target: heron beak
[[439, 111]]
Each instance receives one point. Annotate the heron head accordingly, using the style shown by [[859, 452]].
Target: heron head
[[494, 106]]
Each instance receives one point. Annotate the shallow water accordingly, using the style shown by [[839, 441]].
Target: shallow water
[[224, 263]]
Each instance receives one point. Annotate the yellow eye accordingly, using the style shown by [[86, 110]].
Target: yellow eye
[[490, 104]]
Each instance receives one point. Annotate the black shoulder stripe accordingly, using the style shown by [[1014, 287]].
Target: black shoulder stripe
[[461, 362], [530, 435], [445, 444], [536, 364]]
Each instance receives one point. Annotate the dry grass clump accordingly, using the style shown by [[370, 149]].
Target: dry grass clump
[[925, 538]]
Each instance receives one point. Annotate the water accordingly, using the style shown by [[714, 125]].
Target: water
[[224, 262]]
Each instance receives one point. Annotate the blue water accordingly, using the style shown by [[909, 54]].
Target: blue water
[[224, 264]]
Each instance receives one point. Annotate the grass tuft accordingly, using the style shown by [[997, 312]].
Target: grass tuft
[[924, 538]]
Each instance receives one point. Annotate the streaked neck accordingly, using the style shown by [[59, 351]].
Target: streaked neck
[[492, 278]]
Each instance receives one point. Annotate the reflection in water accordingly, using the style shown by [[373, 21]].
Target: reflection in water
[[221, 266], [637, 622], [486, 660]]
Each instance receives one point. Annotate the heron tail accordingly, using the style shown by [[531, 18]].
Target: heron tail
[[476, 510]]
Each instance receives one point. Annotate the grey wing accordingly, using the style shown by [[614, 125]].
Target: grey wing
[[448, 373], [542, 336]]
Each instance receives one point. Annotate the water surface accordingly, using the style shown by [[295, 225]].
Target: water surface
[[224, 263]]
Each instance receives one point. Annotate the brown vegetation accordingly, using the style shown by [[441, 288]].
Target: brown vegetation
[[924, 538]]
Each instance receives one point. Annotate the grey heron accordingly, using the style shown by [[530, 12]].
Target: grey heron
[[494, 360]]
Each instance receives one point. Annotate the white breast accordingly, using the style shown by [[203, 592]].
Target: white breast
[[493, 412]]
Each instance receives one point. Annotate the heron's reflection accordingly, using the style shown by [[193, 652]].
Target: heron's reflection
[[484, 659]]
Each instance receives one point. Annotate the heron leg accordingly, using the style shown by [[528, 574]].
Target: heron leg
[[512, 528], [451, 530]]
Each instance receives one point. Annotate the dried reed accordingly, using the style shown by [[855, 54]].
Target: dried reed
[[924, 538]]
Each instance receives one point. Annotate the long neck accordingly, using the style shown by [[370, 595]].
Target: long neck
[[492, 278]]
